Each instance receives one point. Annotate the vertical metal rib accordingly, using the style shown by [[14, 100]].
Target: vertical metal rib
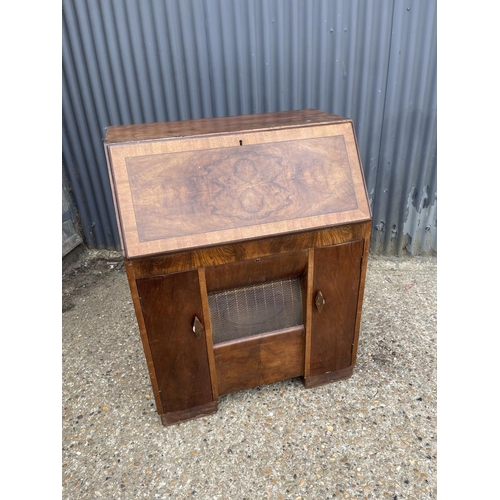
[[136, 62]]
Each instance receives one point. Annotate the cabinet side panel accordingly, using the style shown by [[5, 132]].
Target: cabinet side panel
[[129, 266], [337, 272], [170, 304], [362, 282]]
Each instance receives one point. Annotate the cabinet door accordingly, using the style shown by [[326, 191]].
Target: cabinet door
[[337, 271], [170, 304]]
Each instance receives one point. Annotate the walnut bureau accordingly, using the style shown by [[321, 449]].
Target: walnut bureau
[[245, 241]]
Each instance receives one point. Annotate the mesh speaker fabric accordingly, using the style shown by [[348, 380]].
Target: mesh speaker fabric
[[255, 309]]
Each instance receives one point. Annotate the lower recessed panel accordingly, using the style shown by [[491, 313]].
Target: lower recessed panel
[[262, 359]]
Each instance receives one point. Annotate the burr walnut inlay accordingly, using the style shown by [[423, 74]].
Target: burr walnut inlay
[[204, 189], [178, 194]]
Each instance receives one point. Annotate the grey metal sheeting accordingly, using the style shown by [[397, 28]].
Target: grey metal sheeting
[[137, 61]]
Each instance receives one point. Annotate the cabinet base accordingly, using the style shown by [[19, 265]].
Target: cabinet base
[[325, 378], [189, 414], [210, 408]]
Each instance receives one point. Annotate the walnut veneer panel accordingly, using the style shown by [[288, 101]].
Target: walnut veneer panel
[[169, 305], [337, 271], [200, 191], [183, 194], [253, 249], [259, 360]]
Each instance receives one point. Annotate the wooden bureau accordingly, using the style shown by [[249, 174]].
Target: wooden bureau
[[245, 241]]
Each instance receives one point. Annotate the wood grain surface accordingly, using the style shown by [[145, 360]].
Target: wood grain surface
[[259, 360], [196, 192], [169, 305], [202, 190], [221, 125], [235, 252], [255, 271], [143, 332], [208, 331], [361, 292], [325, 378], [215, 204], [175, 417], [337, 272]]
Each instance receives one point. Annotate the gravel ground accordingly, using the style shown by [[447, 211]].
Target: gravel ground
[[372, 436]]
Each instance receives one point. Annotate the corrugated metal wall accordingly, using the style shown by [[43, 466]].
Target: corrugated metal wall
[[138, 61], [70, 237]]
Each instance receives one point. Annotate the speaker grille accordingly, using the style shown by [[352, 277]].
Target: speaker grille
[[255, 309]]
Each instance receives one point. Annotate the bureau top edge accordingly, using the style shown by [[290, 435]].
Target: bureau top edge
[[222, 125]]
